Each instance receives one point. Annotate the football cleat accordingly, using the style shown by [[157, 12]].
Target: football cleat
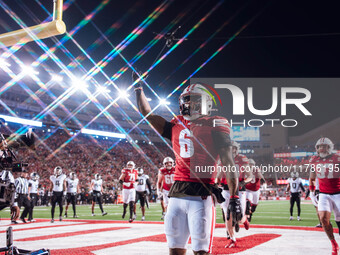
[[143, 218], [14, 222], [93, 214], [335, 248], [123, 215], [75, 216], [131, 220], [231, 244], [246, 224], [60, 218], [52, 220], [23, 220], [291, 218], [298, 218], [319, 225], [65, 216], [104, 213], [134, 216]]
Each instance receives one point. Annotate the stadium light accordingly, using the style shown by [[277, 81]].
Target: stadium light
[[164, 102], [21, 121], [103, 90], [28, 70], [102, 133], [57, 78], [123, 94], [4, 63], [79, 84]]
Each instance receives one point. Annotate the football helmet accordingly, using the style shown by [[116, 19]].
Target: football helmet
[[72, 176], [130, 165], [195, 101], [166, 161], [97, 177], [58, 171], [34, 176], [140, 171], [324, 141], [252, 162], [237, 146], [294, 175]]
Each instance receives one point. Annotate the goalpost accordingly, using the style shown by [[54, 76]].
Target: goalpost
[[41, 31]]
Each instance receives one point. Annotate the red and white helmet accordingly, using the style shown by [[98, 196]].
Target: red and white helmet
[[130, 165], [195, 101], [324, 141], [167, 160], [237, 146]]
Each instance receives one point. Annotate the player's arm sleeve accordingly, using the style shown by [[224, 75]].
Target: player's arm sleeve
[[167, 131], [220, 139], [148, 184], [301, 186]]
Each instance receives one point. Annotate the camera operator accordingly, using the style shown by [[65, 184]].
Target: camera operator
[[21, 187], [33, 188]]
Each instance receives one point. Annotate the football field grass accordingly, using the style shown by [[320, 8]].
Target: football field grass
[[267, 213]]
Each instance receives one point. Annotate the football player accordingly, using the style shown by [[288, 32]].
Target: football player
[[33, 189], [294, 185], [128, 179], [58, 188], [245, 176], [165, 181], [196, 141], [325, 166], [314, 196], [253, 189], [96, 189], [72, 184], [142, 182]]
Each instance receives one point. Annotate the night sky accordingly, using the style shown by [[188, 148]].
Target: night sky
[[277, 39]]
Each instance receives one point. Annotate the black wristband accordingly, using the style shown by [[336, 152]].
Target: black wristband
[[121, 181]]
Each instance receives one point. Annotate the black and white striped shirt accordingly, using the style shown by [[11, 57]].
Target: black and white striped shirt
[[6, 177], [21, 185]]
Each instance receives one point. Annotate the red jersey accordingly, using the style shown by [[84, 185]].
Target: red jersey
[[193, 146], [130, 178], [168, 177], [240, 162], [255, 183], [327, 171]]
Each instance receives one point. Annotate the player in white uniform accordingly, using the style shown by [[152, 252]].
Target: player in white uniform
[[33, 189], [58, 188], [314, 196], [294, 185], [97, 191], [72, 184], [141, 191]]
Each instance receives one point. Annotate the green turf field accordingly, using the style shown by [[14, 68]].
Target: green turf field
[[267, 212]]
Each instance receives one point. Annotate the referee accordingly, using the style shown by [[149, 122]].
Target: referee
[[21, 187]]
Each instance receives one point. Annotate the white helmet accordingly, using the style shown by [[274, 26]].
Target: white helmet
[[34, 176], [72, 175], [324, 141], [195, 101], [97, 177], [252, 162], [140, 171], [130, 165], [58, 171], [167, 160], [294, 174]]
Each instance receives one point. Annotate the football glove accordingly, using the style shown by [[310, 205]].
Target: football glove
[[218, 193], [135, 77], [234, 208]]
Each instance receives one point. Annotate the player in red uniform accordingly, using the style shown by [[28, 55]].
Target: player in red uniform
[[127, 179], [253, 189], [196, 142], [325, 166], [245, 176], [165, 181]]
